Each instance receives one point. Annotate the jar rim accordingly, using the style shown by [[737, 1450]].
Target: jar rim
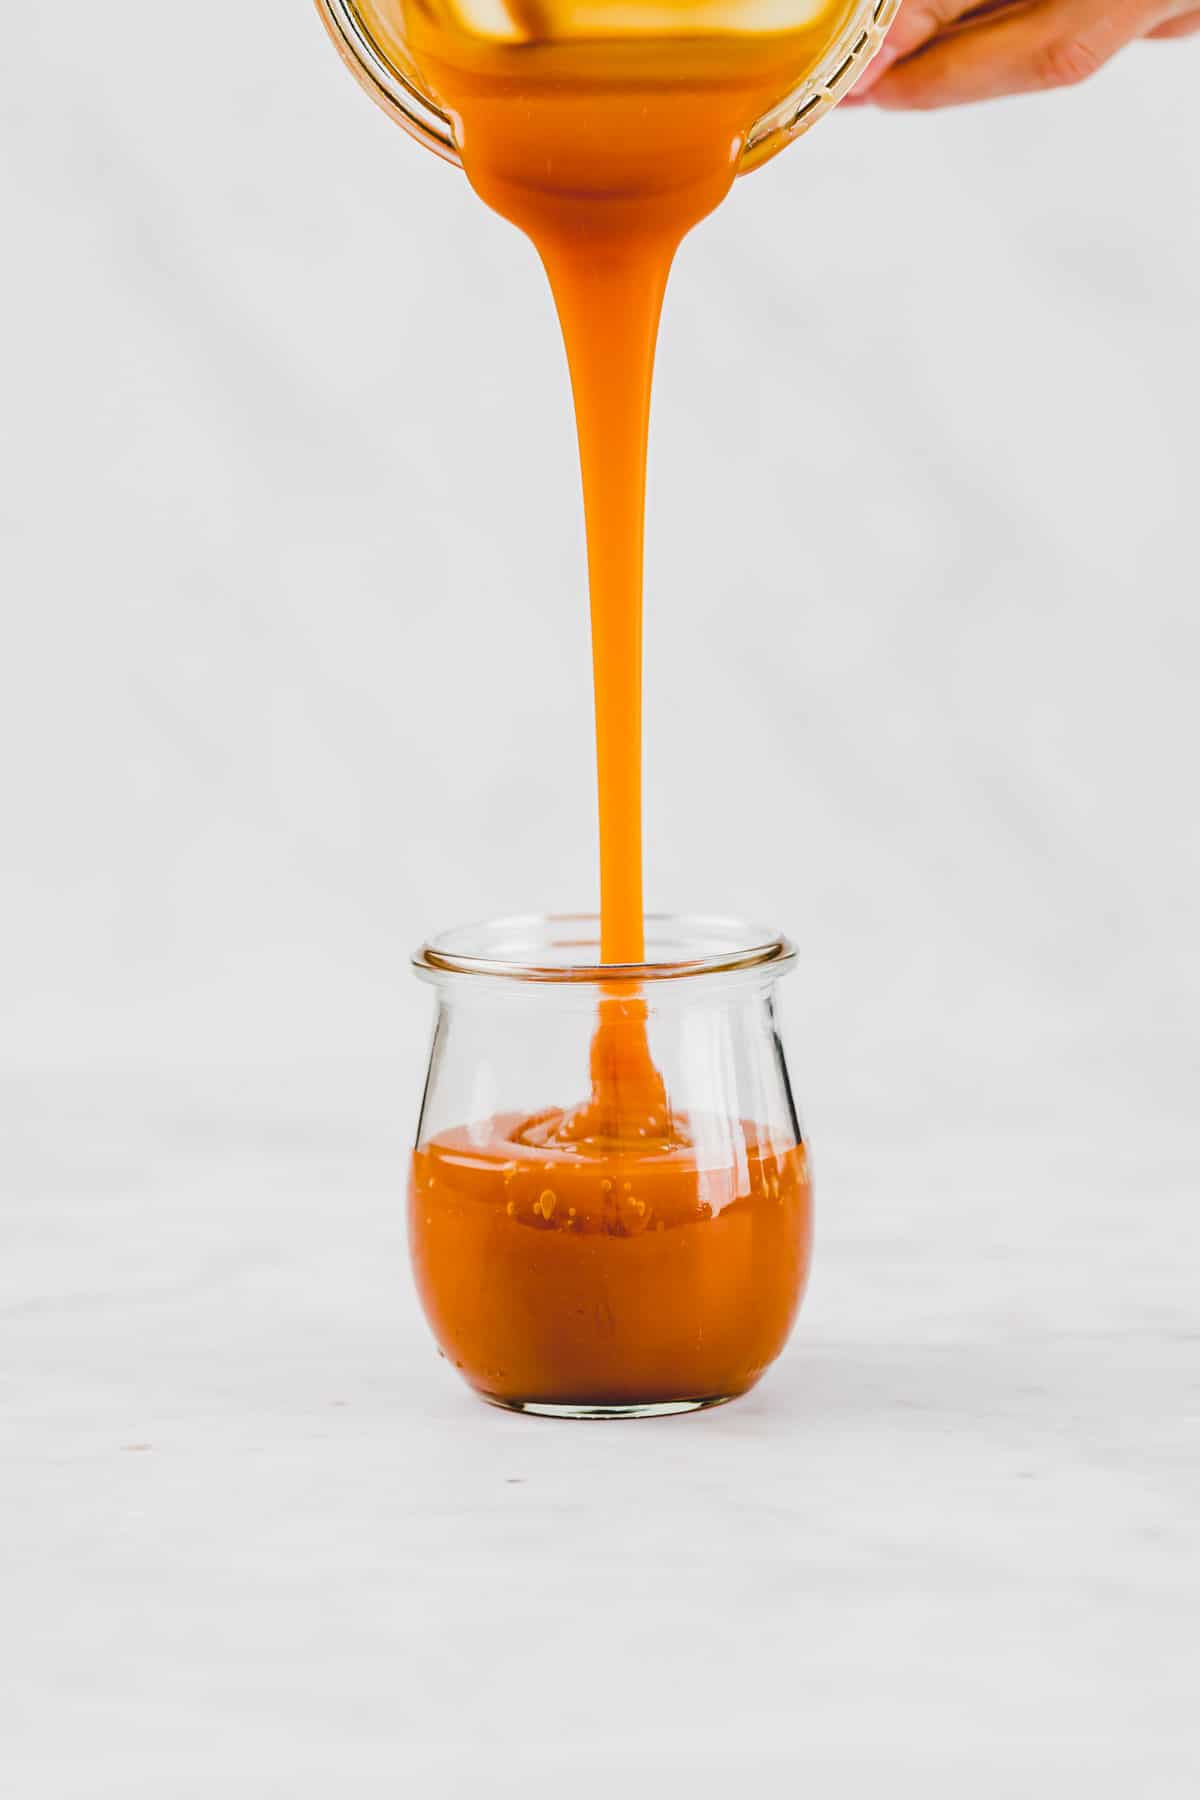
[[545, 947]]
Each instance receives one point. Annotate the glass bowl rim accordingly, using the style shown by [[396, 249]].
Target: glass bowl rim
[[722, 946]]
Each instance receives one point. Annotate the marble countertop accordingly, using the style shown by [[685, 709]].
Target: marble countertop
[[259, 1540]]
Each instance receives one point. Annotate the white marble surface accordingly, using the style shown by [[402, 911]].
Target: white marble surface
[[260, 1541], [293, 632]]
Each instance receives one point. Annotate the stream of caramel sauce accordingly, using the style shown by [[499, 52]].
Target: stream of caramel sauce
[[611, 1251]]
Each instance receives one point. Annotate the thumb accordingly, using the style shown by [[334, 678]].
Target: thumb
[[915, 24], [918, 22]]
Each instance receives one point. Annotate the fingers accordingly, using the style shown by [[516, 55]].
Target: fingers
[[1055, 43]]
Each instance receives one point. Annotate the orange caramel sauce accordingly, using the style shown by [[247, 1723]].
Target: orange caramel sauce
[[614, 1253], [558, 1274]]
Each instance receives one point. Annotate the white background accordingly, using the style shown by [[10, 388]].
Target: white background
[[295, 669]]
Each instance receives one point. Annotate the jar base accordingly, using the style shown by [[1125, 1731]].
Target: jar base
[[588, 1409]]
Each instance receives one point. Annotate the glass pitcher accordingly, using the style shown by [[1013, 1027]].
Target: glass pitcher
[[573, 1268], [382, 41]]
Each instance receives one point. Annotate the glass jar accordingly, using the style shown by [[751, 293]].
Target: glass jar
[[382, 42], [610, 1211]]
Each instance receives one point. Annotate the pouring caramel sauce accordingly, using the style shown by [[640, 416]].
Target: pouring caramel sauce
[[607, 1252]]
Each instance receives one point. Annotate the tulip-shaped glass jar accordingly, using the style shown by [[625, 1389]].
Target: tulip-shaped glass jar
[[610, 1211]]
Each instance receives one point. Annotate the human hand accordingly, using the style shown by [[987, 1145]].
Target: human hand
[[946, 52]]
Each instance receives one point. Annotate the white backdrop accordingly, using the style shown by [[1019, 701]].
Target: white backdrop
[[296, 669]]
